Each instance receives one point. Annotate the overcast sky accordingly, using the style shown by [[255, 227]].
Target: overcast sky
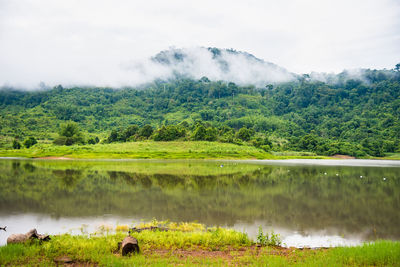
[[89, 41]]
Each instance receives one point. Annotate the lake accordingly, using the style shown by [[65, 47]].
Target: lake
[[311, 203]]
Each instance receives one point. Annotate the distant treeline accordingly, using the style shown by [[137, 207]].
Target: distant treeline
[[196, 132], [349, 116]]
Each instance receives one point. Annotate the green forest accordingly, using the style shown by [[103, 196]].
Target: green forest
[[357, 117]]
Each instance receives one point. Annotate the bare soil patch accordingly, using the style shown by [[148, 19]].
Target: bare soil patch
[[228, 255], [338, 156]]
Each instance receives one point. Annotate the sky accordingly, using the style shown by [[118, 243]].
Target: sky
[[93, 41]]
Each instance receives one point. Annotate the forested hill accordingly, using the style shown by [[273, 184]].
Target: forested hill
[[349, 116]]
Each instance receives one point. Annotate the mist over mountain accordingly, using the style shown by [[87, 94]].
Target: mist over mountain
[[216, 64], [220, 64], [227, 65]]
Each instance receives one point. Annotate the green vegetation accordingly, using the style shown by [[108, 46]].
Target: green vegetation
[[268, 239], [16, 144], [30, 141], [148, 150], [186, 246], [342, 116], [190, 235], [69, 135]]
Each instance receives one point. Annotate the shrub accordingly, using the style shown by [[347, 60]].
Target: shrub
[[146, 131], [263, 143], [169, 133], [203, 134], [130, 131], [228, 137], [69, 135], [199, 133], [16, 144], [30, 141], [244, 134], [93, 141]]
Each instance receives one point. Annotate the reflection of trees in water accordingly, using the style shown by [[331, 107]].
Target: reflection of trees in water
[[299, 197], [16, 165], [29, 167], [130, 178], [169, 180], [125, 176], [69, 177]]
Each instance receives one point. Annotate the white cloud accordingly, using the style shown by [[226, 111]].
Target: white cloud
[[87, 41], [197, 62]]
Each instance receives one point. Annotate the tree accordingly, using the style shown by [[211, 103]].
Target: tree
[[263, 143], [169, 133], [130, 131], [244, 134], [30, 141], [308, 142], [69, 135], [204, 79], [93, 141], [199, 133], [113, 136], [211, 134], [146, 131], [16, 144], [203, 134]]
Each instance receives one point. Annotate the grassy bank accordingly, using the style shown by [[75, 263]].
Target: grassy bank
[[192, 244], [151, 150]]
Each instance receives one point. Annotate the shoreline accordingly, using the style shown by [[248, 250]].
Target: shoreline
[[327, 161], [215, 247], [203, 150]]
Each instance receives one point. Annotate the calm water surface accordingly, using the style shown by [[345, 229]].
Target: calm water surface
[[309, 203]]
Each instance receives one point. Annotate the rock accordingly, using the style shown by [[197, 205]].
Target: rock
[[129, 245], [32, 234]]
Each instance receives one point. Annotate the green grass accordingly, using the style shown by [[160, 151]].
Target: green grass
[[216, 247], [149, 150], [395, 156]]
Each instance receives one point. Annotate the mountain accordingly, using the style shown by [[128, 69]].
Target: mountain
[[216, 64], [348, 113]]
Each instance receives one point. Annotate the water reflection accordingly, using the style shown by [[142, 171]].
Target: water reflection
[[341, 201]]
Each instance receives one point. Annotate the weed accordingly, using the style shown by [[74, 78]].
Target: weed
[[268, 239]]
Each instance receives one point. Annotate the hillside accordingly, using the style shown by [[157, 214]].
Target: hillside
[[343, 115]]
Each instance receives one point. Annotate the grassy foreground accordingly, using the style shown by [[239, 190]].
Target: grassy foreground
[[191, 245], [151, 150]]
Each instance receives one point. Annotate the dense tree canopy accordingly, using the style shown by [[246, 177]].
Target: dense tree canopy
[[69, 134], [344, 115]]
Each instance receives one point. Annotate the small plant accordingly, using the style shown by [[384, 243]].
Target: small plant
[[270, 239], [84, 229], [122, 228], [104, 229]]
